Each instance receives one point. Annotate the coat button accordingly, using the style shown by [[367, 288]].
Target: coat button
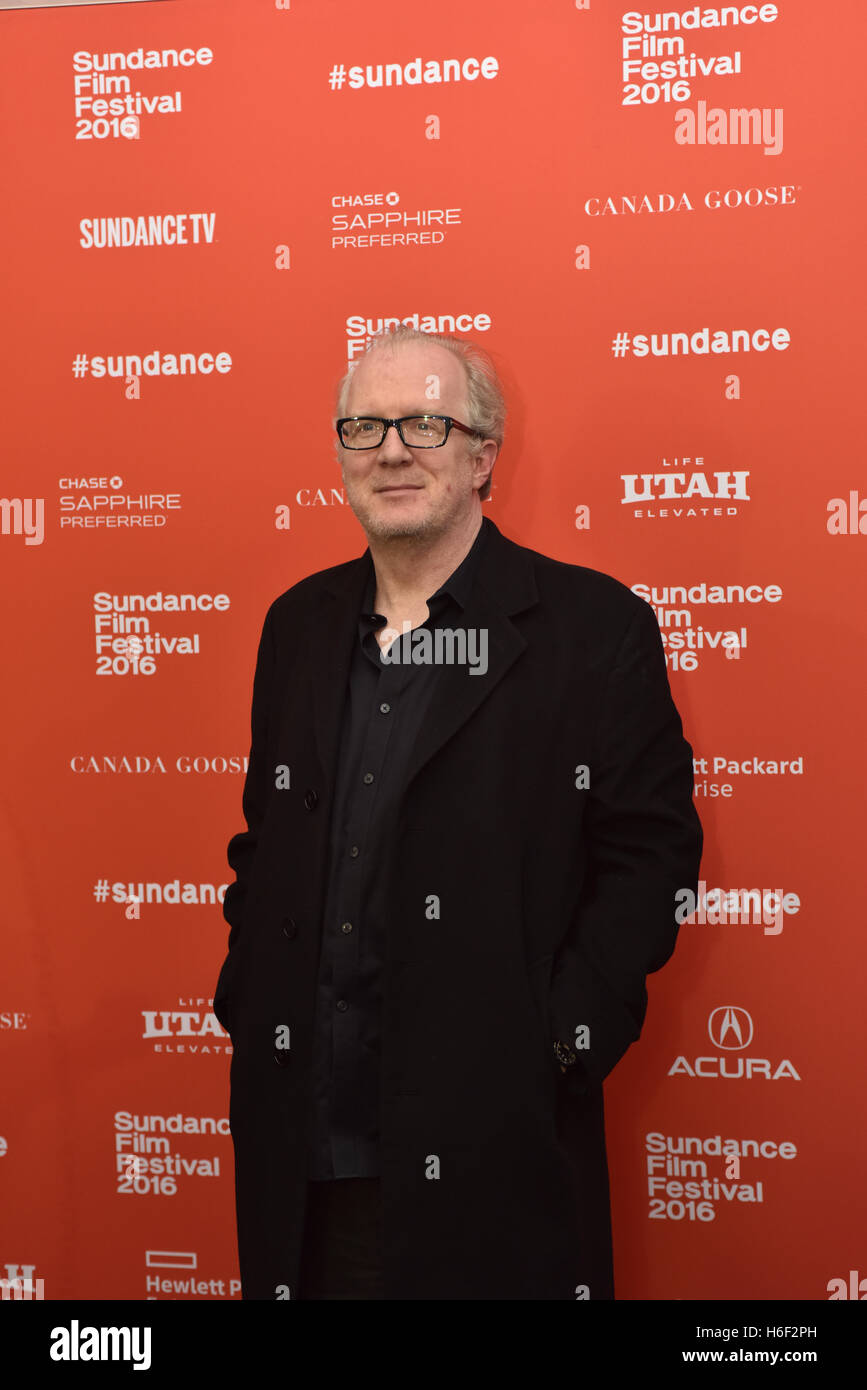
[[282, 1058], [290, 928], [311, 799]]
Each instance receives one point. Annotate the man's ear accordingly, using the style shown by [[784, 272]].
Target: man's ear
[[481, 457]]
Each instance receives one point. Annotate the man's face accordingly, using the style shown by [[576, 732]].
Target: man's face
[[399, 491]]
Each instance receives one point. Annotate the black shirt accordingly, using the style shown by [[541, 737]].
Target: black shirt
[[386, 702]]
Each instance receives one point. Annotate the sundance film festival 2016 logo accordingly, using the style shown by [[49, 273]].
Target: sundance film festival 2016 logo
[[730, 1029], [360, 329], [681, 647], [108, 102], [660, 65]]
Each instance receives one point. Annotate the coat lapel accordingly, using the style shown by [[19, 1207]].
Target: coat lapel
[[504, 585], [334, 623]]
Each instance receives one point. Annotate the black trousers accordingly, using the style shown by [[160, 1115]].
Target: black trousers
[[342, 1251]]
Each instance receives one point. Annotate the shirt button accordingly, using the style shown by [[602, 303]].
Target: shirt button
[[346, 928], [311, 798], [368, 778], [290, 928], [384, 708], [354, 852], [342, 1005]]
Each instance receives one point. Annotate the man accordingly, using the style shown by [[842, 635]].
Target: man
[[469, 809]]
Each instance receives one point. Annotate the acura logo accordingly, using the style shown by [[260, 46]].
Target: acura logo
[[730, 1028]]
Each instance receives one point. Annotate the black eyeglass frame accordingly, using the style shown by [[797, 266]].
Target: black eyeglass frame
[[450, 424]]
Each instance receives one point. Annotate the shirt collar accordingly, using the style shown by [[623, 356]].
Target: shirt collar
[[458, 586]]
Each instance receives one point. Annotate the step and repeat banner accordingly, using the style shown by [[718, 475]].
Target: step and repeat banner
[[653, 219]]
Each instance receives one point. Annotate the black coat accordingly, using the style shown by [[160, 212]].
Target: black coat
[[555, 902]]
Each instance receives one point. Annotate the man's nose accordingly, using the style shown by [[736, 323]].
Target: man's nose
[[392, 445]]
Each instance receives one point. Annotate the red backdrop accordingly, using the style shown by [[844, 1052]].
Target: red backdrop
[[573, 216]]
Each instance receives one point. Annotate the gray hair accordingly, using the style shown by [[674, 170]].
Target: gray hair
[[486, 405]]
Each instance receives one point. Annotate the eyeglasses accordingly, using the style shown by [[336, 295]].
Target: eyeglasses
[[416, 431]]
